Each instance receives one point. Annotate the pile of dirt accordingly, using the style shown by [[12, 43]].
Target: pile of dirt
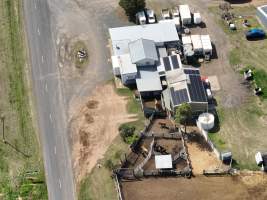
[[94, 126]]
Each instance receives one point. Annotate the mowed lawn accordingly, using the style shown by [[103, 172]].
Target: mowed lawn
[[243, 129], [21, 166]]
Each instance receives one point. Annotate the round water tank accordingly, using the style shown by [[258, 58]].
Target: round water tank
[[206, 121]]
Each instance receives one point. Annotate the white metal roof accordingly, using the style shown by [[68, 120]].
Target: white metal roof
[[143, 49], [163, 161], [159, 32], [206, 42], [126, 65], [148, 79], [184, 11], [196, 41]]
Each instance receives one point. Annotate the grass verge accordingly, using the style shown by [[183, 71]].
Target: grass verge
[[21, 169]]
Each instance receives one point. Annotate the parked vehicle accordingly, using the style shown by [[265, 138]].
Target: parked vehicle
[[141, 17], [185, 14], [175, 13], [255, 33], [165, 13], [197, 18], [150, 16]]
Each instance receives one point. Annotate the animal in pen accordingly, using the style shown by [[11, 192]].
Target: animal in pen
[[144, 151]]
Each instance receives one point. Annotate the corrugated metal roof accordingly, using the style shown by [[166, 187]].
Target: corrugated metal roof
[[159, 32], [143, 49], [126, 65], [148, 79]]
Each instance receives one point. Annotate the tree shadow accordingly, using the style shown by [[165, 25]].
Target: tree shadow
[[195, 137], [238, 1]]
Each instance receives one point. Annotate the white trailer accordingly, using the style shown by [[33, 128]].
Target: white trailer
[[206, 44], [186, 39], [197, 18], [185, 14], [187, 46], [197, 44]]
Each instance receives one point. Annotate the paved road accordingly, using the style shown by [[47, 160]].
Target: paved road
[[49, 101]]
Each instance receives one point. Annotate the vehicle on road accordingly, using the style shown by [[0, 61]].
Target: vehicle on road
[[150, 16], [255, 33], [165, 13]]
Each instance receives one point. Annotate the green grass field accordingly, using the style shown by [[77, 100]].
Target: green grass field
[[21, 167], [243, 129]]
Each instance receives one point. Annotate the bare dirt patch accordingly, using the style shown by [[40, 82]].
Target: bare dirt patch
[[200, 188], [94, 125]]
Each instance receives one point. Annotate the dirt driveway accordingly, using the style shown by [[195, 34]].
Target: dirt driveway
[[200, 188]]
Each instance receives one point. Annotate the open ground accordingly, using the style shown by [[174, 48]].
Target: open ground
[[225, 188]]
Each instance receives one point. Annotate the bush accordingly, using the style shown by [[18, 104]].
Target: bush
[[126, 131], [131, 7]]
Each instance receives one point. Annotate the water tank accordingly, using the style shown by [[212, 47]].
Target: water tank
[[206, 121]]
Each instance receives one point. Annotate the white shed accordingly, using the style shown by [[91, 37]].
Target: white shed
[[185, 14], [206, 44], [163, 161], [197, 44]]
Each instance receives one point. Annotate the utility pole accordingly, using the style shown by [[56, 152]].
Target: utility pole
[[3, 127]]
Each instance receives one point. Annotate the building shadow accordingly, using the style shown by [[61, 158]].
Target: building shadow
[[214, 51]]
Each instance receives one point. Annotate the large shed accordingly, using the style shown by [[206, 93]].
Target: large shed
[[262, 14]]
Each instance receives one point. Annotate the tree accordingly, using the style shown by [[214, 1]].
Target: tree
[[126, 131], [131, 7], [183, 114]]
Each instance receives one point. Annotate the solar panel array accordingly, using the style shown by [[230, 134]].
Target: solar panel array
[[196, 89], [167, 64], [171, 62], [191, 72], [179, 96], [175, 62]]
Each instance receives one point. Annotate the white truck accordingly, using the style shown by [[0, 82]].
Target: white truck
[[150, 16], [197, 44], [165, 13], [185, 14], [207, 46]]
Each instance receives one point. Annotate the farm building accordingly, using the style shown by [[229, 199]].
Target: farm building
[[262, 14], [184, 86], [137, 51]]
